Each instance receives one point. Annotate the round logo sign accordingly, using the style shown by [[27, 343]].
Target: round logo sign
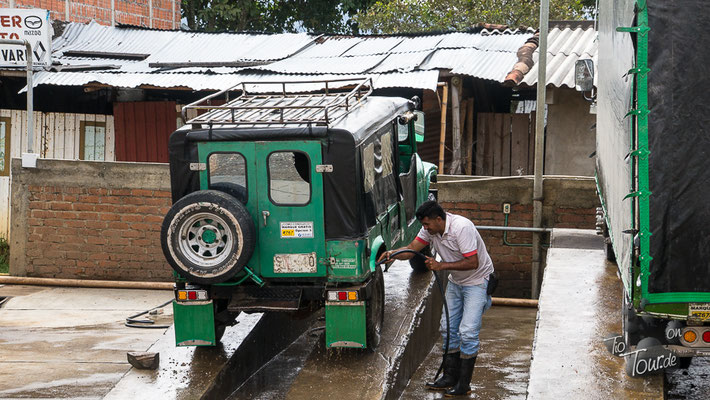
[[33, 22]]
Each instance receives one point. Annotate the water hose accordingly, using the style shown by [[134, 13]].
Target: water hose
[[443, 296], [132, 322]]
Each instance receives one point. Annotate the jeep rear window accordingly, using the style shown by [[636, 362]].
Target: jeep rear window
[[228, 173], [289, 178]]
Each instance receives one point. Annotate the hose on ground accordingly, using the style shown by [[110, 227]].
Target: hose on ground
[[132, 322]]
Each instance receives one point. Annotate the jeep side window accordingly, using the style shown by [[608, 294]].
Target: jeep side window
[[228, 173], [378, 159], [402, 132], [289, 178]]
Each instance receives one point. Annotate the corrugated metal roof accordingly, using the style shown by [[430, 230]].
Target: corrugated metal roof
[[481, 55], [491, 65], [179, 46], [417, 80], [564, 48], [396, 61]]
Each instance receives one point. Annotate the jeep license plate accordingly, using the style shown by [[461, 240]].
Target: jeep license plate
[[295, 263], [699, 311]]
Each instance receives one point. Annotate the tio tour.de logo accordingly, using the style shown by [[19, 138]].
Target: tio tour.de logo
[[650, 357], [615, 344], [33, 22]]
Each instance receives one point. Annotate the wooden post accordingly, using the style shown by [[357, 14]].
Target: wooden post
[[464, 142], [456, 125], [469, 136], [442, 137]]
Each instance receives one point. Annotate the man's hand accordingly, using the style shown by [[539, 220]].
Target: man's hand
[[386, 257], [432, 264]]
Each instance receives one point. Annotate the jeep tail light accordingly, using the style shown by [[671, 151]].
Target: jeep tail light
[[706, 336], [191, 295], [350, 295], [690, 336]]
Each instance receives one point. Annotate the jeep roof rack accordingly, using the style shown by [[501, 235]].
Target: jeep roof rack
[[281, 106]]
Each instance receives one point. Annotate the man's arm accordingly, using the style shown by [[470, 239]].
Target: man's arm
[[470, 262], [416, 245]]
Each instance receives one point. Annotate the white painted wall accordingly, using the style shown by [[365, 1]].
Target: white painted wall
[[56, 136]]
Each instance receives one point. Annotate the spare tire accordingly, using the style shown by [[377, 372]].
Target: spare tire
[[233, 189], [208, 236]]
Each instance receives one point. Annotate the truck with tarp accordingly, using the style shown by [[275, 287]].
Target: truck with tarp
[[283, 197], [653, 175]]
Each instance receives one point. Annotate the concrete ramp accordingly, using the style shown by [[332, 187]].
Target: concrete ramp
[[307, 370], [580, 304]]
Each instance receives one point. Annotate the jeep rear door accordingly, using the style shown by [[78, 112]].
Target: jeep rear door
[[290, 202]]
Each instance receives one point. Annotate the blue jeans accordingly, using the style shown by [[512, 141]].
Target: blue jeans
[[466, 307]]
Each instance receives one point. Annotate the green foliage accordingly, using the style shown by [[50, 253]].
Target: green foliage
[[4, 256], [399, 16], [273, 15]]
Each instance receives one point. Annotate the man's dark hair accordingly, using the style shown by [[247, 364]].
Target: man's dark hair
[[430, 209]]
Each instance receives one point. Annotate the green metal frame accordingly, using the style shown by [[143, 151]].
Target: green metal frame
[[642, 152]]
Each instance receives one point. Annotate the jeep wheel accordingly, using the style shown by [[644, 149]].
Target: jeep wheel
[[375, 309], [208, 236]]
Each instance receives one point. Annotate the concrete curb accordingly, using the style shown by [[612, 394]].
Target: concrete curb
[[422, 335]]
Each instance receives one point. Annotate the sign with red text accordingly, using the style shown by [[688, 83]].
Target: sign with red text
[[32, 25]]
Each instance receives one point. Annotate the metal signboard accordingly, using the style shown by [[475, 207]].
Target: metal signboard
[[32, 25]]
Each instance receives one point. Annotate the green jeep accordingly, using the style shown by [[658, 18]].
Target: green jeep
[[283, 202]]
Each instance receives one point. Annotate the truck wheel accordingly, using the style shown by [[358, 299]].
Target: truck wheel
[[631, 324], [684, 362], [375, 309], [417, 262], [208, 236], [609, 250]]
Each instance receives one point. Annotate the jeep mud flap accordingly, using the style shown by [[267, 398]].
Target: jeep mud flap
[[194, 323], [345, 324]]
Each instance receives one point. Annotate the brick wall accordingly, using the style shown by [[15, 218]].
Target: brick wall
[[90, 220], [570, 203], [166, 13]]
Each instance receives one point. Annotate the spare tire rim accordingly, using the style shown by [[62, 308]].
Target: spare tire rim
[[206, 240]]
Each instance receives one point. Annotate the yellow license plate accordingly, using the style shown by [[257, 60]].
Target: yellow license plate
[[699, 311]]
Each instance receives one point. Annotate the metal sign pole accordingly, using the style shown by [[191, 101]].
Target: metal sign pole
[[30, 104], [539, 146]]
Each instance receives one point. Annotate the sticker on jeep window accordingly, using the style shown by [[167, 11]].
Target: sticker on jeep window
[[297, 230]]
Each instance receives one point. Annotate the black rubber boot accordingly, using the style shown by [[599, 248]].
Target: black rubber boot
[[465, 373], [452, 364]]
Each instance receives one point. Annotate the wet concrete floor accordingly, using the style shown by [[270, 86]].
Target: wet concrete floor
[[69, 343], [580, 306], [503, 363], [307, 370], [691, 383]]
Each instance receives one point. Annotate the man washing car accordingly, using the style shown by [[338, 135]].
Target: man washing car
[[464, 255]]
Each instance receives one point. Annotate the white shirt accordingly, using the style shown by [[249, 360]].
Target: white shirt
[[459, 240]]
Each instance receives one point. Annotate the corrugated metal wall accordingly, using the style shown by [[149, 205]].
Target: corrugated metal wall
[[142, 130]]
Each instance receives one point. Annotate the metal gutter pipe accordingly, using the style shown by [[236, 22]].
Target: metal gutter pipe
[[87, 283], [539, 145], [513, 229], [30, 103]]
